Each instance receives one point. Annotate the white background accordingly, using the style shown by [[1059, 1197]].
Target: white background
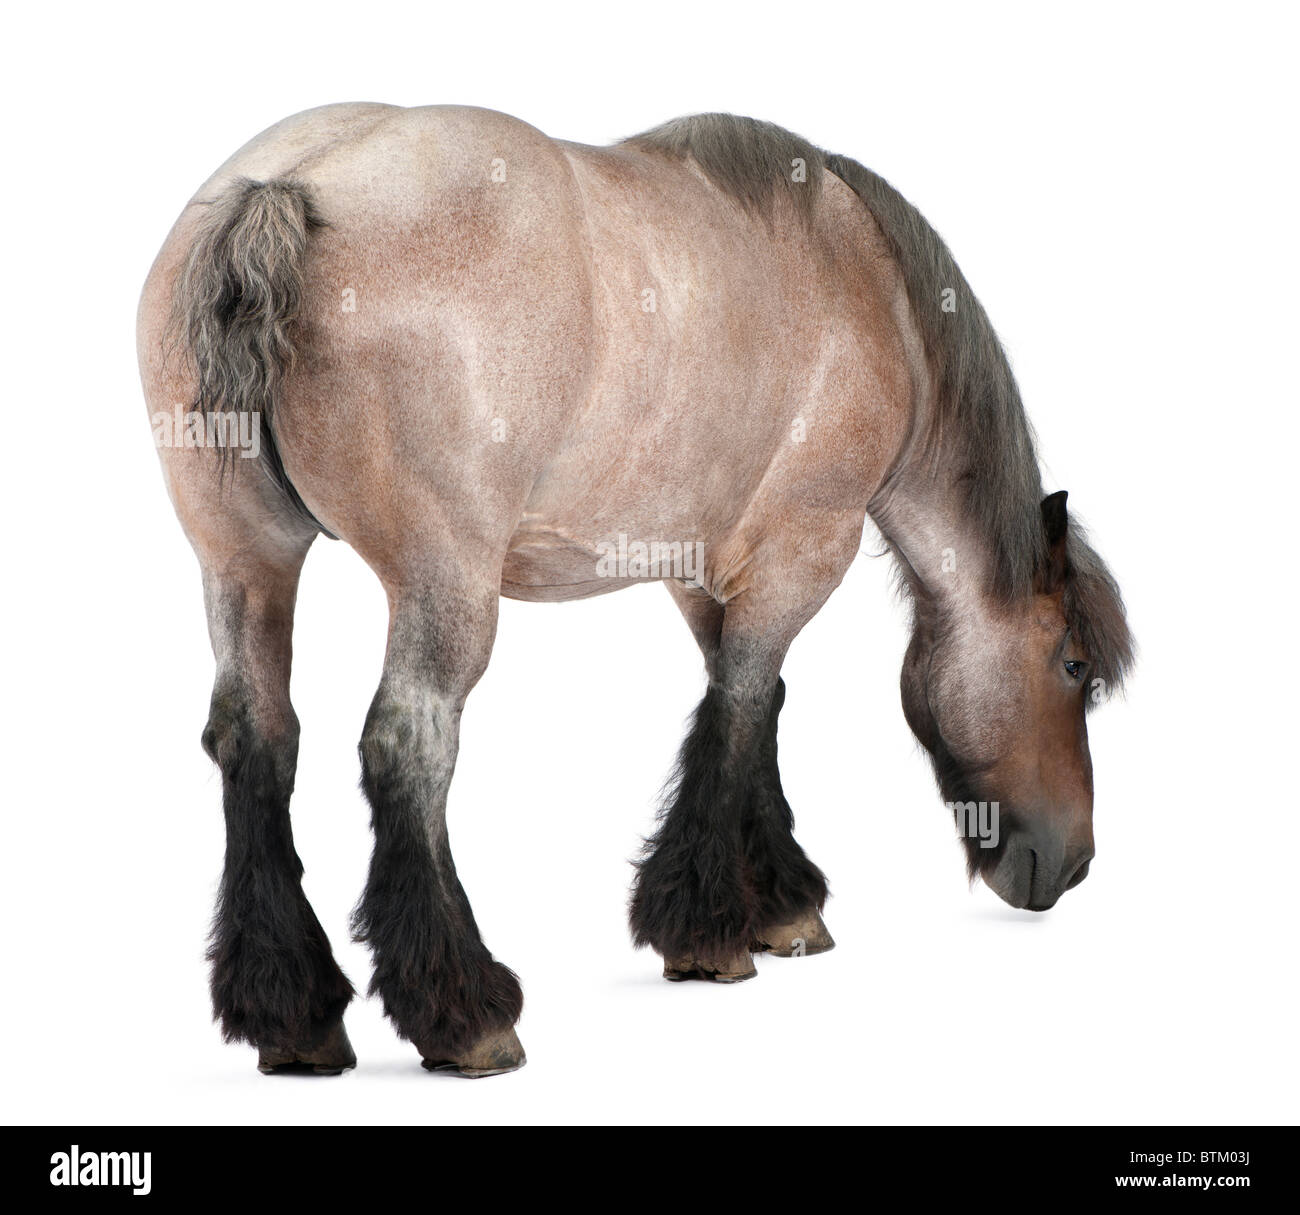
[[1118, 185]]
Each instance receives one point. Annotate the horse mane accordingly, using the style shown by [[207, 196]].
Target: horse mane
[[749, 159], [977, 407]]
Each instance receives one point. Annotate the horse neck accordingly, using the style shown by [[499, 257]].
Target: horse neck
[[924, 518]]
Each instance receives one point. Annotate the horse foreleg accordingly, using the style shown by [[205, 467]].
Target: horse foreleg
[[723, 875], [792, 890]]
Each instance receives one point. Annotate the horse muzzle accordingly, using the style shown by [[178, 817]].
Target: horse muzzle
[[1035, 867]]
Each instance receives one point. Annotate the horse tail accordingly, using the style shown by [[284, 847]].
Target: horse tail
[[237, 300]]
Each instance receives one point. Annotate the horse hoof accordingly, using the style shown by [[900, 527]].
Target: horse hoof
[[494, 1055], [802, 936], [733, 969], [327, 1053]]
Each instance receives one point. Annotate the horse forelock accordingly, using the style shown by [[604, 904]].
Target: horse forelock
[[1094, 611]]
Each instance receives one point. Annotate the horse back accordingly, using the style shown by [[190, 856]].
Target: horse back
[[540, 345]]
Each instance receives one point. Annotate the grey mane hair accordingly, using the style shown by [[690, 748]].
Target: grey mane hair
[[977, 410], [751, 160]]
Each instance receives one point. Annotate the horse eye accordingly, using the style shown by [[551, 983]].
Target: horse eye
[[1073, 669]]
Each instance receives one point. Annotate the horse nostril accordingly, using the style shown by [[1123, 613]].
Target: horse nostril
[[1080, 872]]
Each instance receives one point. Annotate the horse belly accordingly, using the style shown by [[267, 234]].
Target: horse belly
[[544, 565]]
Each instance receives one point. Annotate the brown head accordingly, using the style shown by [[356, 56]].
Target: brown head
[[999, 698]]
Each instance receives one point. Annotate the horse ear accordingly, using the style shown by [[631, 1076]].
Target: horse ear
[[1055, 517], [1056, 522]]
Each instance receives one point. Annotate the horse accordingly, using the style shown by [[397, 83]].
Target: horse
[[496, 363]]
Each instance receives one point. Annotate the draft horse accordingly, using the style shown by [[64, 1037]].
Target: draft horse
[[481, 357]]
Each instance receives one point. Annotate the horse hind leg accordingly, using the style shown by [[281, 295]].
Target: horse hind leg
[[275, 983], [440, 986], [215, 317]]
